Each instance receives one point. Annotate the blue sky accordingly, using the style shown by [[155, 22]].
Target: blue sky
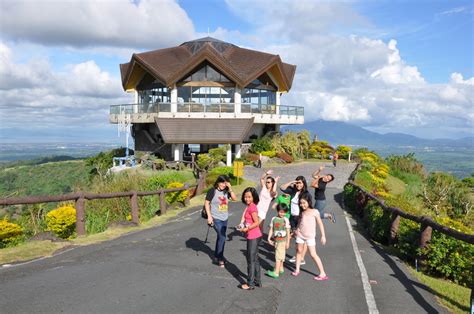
[[389, 66]]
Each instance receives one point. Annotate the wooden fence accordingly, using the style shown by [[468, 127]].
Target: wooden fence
[[81, 197], [427, 224]]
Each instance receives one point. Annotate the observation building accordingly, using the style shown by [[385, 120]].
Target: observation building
[[202, 94]]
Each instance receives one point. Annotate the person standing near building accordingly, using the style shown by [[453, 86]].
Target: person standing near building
[[259, 161], [253, 235], [217, 208], [280, 231]]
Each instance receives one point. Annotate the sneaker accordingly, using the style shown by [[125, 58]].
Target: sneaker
[[293, 260], [272, 274]]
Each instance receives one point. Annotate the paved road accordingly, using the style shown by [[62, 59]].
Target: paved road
[[168, 269]]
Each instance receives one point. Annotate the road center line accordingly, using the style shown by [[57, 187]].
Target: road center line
[[369, 296]]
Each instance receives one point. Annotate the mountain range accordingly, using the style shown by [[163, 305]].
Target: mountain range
[[341, 133]]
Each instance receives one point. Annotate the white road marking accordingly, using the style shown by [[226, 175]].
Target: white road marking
[[369, 296]]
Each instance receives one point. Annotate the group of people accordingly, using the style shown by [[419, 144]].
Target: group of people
[[296, 217]]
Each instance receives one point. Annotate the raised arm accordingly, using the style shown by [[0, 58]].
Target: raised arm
[[231, 193], [274, 189], [321, 228], [317, 172], [285, 186]]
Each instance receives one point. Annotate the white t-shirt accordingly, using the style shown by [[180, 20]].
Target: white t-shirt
[[295, 206]]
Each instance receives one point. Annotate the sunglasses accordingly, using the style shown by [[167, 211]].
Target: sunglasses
[[269, 182]]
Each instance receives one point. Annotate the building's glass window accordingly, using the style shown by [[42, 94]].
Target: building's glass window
[[154, 95], [261, 91], [206, 95], [206, 73]]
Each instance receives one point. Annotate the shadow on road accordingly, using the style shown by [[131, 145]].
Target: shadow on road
[[199, 246], [407, 282]]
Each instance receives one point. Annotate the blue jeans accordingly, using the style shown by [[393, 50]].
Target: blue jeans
[[320, 205], [221, 227]]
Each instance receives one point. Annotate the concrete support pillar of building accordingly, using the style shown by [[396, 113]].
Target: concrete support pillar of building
[[174, 99], [229, 155], [135, 108], [238, 150], [238, 100], [178, 151], [278, 95]]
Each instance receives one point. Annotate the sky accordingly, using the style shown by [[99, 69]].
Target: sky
[[387, 66]]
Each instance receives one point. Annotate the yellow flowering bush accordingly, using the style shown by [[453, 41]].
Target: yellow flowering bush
[[9, 232], [62, 221], [178, 196]]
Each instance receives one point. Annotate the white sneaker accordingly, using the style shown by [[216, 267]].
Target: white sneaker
[[293, 260]]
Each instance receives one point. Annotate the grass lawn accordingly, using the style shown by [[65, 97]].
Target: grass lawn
[[454, 297]]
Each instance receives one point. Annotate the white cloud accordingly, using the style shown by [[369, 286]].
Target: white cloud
[[79, 23], [78, 95], [354, 78]]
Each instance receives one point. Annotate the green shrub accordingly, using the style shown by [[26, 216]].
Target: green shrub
[[379, 222], [178, 196], [408, 239], [9, 233], [214, 173], [62, 221], [350, 193], [261, 144], [269, 153], [343, 151], [450, 258], [162, 179]]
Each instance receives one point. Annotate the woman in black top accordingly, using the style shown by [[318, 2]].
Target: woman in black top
[[319, 185]]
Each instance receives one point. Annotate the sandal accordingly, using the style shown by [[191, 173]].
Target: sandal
[[319, 278], [246, 287], [295, 273], [221, 264]]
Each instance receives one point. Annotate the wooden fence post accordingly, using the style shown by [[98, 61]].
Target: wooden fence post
[[394, 229], [186, 201], [134, 206], [425, 236], [162, 203], [80, 215]]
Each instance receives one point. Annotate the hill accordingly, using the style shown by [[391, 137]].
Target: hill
[[344, 133]]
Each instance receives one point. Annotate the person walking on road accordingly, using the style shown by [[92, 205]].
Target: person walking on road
[[319, 185], [254, 235], [217, 208], [335, 157], [306, 236]]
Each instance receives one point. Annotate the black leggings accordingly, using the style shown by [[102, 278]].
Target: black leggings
[[253, 265]]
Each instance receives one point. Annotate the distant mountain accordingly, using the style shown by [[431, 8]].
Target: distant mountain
[[337, 133]]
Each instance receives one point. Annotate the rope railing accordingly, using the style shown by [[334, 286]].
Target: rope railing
[[81, 197]]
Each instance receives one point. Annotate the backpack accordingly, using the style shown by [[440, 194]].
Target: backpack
[[203, 210]]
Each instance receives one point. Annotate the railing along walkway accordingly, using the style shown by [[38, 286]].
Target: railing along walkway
[[81, 197]]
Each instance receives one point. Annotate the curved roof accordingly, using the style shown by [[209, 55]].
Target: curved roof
[[241, 65]]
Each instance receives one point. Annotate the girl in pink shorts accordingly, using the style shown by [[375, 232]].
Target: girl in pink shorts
[[306, 234]]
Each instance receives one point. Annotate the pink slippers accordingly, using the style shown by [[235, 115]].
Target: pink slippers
[[295, 273], [319, 278]]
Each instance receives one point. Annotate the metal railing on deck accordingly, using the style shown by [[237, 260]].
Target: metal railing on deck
[[216, 107]]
